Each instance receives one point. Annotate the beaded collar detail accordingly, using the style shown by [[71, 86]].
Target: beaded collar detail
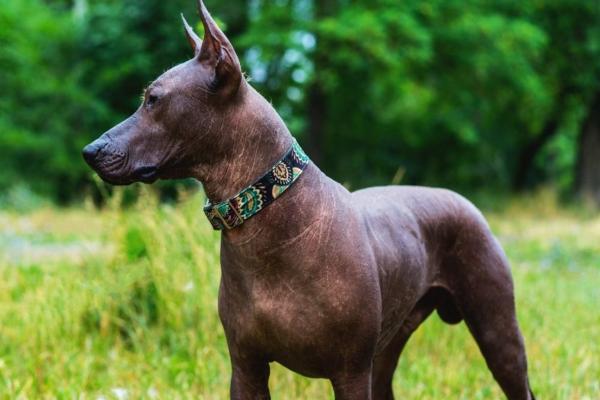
[[250, 201]]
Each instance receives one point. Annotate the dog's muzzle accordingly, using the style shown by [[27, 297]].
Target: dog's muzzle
[[90, 152]]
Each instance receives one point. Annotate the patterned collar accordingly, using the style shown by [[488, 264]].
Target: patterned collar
[[235, 211]]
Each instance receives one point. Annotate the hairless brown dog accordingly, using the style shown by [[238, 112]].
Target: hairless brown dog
[[327, 282]]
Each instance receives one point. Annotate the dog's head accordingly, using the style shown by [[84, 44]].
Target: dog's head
[[182, 119]]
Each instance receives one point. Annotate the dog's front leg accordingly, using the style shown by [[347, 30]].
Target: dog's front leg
[[250, 381], [356, 386]]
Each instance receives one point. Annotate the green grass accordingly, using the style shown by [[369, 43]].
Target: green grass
[[123, 304]]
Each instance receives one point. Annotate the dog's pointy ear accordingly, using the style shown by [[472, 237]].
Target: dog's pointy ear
[[218, 53], [191, 36]]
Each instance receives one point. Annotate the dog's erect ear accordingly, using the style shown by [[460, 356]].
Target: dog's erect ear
[[218, 53], [194, 40]]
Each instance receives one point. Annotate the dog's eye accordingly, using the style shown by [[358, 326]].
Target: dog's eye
[[151, 100]]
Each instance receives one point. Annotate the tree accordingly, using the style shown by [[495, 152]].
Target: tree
[[588, 165], [570, 71], [44, 112], [471, 94]]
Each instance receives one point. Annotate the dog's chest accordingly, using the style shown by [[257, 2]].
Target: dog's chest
[[298, 319], [281, 311]]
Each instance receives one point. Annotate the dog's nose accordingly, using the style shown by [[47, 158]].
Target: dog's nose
[[90, 152]]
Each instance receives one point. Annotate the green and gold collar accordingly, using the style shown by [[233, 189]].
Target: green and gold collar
[[235, 211]]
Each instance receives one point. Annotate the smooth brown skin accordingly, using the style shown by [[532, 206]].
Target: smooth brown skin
[[328, 283]]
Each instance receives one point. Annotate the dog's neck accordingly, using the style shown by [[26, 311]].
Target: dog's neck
[[259, 139]]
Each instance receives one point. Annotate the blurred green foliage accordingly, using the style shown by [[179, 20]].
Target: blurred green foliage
[[466, 94]]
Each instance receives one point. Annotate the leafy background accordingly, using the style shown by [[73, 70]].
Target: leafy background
[[467, 94]]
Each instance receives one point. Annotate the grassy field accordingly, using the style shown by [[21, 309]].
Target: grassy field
[[122, 304]]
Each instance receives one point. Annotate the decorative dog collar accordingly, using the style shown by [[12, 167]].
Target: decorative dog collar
[[235, 211]]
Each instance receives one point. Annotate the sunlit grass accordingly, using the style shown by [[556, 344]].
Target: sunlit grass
[[123, 304]]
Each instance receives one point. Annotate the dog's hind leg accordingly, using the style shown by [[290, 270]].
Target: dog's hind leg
[[385, 362], [483, 292]]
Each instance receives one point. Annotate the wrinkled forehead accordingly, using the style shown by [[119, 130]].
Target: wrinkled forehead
[[185, 75]]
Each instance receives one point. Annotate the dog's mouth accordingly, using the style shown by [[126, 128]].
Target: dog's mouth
[[146, 174], [114, 180]]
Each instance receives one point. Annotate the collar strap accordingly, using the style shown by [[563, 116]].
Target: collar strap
[[235, 211]]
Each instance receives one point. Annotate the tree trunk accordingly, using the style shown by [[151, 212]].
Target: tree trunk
[[317, 101], [316, 114], [530, 151], [588, 154]]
